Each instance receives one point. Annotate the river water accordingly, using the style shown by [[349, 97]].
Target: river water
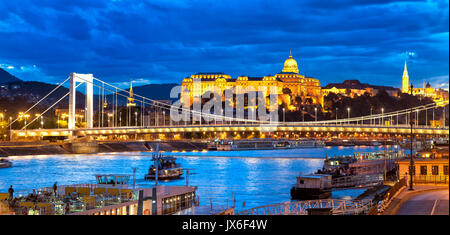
[[255, 178]]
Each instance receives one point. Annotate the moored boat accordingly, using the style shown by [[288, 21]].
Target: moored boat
[[164, 168], [376, 143], [167, 169], [309, 143], [5, 163], [311, 187], [264, 144]]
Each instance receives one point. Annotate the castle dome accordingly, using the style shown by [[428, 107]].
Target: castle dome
[[290, 65]]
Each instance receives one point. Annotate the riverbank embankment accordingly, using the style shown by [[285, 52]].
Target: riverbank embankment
[[48, 148]]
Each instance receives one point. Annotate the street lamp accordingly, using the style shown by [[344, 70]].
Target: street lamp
[[443, 117], [110, 117], [371, 118], [284, 117], [411, 161], [382, 118], [336, 114], [164, 118], [303, 114], [417, 117], [26, 117], [135, 118], [348, 112], [433, 116], [315, 110], [10, 127]]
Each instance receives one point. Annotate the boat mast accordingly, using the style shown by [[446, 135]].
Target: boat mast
[[156, 156]]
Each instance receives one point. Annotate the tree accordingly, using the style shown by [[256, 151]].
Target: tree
[[287, 91]]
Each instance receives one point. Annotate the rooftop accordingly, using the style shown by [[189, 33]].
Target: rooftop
[[356, 84]]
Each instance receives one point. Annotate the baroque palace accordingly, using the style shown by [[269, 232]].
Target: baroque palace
[[294, 89]]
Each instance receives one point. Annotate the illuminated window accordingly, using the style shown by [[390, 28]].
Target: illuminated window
[[435, 170], [423, 170], [445, 170]]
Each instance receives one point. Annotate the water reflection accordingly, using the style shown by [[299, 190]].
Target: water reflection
[[254, 177]]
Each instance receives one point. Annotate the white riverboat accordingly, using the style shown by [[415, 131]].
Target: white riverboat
[[164, 167], [265, 144], [4, 162]]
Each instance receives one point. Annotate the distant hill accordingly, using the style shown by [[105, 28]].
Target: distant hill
[[151, 91], [33, 91], [6, 77]]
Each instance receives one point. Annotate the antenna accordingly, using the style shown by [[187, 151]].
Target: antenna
[[134, 177], [156, 156], [187, 175]]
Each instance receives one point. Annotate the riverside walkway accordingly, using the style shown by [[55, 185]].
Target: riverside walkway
[[423, 200]]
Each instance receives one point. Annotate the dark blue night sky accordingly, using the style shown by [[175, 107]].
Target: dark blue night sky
[[164, 41]]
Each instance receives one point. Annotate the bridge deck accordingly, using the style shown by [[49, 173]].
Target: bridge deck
[[400, 129]]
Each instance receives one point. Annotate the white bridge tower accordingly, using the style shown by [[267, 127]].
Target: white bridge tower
[[89, 108]]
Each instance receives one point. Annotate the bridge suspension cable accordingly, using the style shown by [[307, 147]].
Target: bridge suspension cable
[[44, 97], [53, 105]]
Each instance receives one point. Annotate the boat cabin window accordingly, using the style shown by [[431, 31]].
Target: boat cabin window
[[112, 179]]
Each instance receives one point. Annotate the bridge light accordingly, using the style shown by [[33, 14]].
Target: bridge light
[[348, 111], [315, 110]]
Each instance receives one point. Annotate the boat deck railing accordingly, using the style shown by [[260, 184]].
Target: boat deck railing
[[337, 206], [356, 180], [45, 202]]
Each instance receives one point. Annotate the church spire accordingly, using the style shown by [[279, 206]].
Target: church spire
[[405, 80], [130, 98], [131, 89], [105, 103]]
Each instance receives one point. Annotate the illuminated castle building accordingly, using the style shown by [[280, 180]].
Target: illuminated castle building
[[294, 89], [354, 88], [438, 95]]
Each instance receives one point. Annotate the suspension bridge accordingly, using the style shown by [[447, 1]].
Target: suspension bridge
[[135, 122]]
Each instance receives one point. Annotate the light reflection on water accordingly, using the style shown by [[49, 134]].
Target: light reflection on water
[[256, 177]]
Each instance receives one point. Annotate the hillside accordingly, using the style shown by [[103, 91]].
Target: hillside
[[6, 77], [32, 91], [151, 91]]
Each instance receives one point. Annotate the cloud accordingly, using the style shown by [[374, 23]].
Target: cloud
[[136, 82], [439, 82], [165, 41]]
